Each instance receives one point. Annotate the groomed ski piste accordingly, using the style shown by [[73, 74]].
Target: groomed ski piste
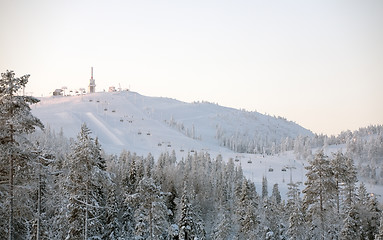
[[141, 124]]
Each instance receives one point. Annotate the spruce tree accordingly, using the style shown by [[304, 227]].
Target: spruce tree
[[246, 212], [276, 195], [379, 235], [16, 120], [264, 188], [352, 225], [186, 221], [296, 229], [85, 181], [151, 213], [319, 193], [338, 164], [373, 216], [112, 224], [350, 180], [190, 223]]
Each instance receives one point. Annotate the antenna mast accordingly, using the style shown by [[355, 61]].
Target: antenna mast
[[92, 82]]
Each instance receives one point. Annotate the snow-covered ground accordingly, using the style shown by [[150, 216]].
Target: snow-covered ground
[[141, 124], [128, 120]]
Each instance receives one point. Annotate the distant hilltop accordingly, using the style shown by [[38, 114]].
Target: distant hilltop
[[128, 120], [63, 91]]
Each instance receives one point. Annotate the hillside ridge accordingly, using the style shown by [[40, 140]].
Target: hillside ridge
[[128, 120]]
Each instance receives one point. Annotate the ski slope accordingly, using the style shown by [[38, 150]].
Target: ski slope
[[128, 120], [141, 124]]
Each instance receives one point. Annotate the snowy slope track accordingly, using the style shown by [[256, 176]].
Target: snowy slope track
[[135, 122], [103, 130]]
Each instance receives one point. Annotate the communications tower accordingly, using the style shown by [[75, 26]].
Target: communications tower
[[92, 83]]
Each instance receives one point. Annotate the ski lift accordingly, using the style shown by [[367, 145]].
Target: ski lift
[[113, 110], [90, 100], [148, 133], [182, 150], [98, 101], [121, 120], [249, 161], [105, 109], [236, 159], [192, 150], [159, 144], [284, 170], [271, 170], [169, 145], [139, 132]]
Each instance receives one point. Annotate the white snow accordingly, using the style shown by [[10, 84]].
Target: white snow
[[118, 118], [128, 120], [101, 126]]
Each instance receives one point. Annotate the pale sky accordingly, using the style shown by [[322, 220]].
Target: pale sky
[[318, 63]]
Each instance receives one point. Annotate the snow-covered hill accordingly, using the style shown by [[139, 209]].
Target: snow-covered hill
[[128, 120], [141, 124]]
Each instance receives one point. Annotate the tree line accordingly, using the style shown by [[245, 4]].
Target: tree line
[[55, 188]]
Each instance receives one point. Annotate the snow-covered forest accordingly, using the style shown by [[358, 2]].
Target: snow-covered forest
[[52, 187]]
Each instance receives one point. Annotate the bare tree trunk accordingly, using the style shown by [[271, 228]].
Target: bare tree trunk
[[39, 203], [321, 205], [11, 174], [337, 197], [86, 212], [11, 197], [150, 220]]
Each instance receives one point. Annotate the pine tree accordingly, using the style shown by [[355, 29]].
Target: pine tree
[[373, 217], [345, 179], [48, 192], [16, 120], [352, 225], [349, 182], [319, 192], [85, 182], [296, 229], [246, 212], [369, 213], [223, 228], [339, 169], [186, 222], [293, 195], [112, 224], [264, 188], [150, 211], [43, 192], [190, 223], [379, 235], [135, 174], [276, 195]]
